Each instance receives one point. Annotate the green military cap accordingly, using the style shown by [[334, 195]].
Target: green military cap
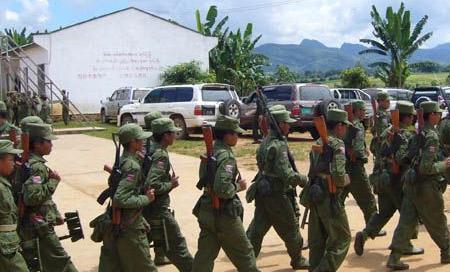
[[405, 107], [162, 125], [383, 96], [30, 120], [358, 105], [337, 115], [430, 106], [3, 106], [40, 130], [225, 122], [7, 147], [280, 114], [149, 117], [130, 131]]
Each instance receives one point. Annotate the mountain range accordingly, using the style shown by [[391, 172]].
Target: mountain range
[[312, 55]]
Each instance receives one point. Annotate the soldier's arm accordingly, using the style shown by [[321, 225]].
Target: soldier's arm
[[427, 165], [337, 167], [224, 182], [36, 191], [4, 206], [359, 146], [125, 196], [282, 168], [401, 155], [158, 178]]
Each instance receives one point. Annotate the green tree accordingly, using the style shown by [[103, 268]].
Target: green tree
[[18, 38], [186, 73], [396, 42], [355, 77], [448, 79], [284, 75], [233, 59]]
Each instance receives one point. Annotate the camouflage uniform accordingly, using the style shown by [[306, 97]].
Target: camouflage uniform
[[44, 114], [5, 126], [423, 198], [65, 107]]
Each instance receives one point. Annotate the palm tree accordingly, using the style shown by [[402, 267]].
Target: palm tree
[[395, 42], [18, 38]]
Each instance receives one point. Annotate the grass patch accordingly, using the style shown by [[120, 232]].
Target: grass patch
[[109, 128]]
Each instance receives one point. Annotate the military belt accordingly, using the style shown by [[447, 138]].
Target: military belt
[[6, 228]]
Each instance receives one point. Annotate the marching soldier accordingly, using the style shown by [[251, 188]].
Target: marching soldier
[[223, 228], [41, 214], [389, 184], [10, 257], [10, 101], [328, 228], [423, 193], [163, 182], [274, 205], [5, 125], [356, 159], [65, 107], [45, 110]]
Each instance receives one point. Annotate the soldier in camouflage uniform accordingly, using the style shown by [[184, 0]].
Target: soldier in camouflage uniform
[[163, 182], [131, 244], [328, 229], [355, 146], [23, 106], [45, 110], [10, 257], [5, 125], [41, 213], [274, 205], [389, 185], [65, 107], [423, 193], [10, 101], [223, 228], [444, 132]]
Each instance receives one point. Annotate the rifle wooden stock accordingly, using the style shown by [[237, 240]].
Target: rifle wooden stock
[[420, 120], [264, 125], [13, 137], [321, 127], [208, 138], [107, 168], [25, 139], [349, 109]]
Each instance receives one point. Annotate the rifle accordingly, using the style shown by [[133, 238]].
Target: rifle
[[13, 137], [374, 108], [207, 180], [319, 123], [23, 174], [73, 222], [395, 119], [264, 125], [147, 160], [349, 109], [113, 184]]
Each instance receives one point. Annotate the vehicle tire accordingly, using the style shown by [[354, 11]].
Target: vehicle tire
[[180, 123], [326, 105], [420, 100], [126, 119], [314, 133], [231, 108], [103, 117]]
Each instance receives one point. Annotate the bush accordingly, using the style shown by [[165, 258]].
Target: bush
[[448, 79], [355, 78], [186, 73]]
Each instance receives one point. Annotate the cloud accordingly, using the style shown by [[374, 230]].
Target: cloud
[[11, 16], [32, 14]]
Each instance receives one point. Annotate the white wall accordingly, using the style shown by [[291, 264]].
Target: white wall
[[129, 48], [38, 55]]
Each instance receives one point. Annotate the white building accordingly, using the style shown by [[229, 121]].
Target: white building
[[129, 47]]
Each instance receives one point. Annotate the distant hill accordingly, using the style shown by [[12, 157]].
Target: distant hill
[[312, 55]]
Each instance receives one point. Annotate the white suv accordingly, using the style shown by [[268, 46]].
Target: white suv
[[189, 106]]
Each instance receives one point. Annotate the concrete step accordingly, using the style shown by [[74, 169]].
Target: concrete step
[[78, 130]]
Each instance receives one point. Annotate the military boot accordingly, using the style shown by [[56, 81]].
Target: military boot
[[160, 257], [360, 240], [445, 256], [300, 264], [413, 251], [394, 262]]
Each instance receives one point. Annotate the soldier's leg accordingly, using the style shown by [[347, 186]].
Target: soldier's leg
[[178, 252], [258, 227], [134, 251], [208, 246], [338, 240], [377, 221], [361, 191], [235, 244], [317, 238], [13, 262], [109, 257]]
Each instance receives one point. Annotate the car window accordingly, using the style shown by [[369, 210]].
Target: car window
[[138, 94], [215, 94], [315, 93], [184, 94], [153, 96], [114, 95], [447, 93], [336, 94], [278, 93], [124, 95], [168, 95], [365, 96], [403, 95]]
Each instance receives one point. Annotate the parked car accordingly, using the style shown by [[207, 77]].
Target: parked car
[[348, 95], [123, 96], [396, 94], [189, 106], [303, 100], [432, 93]]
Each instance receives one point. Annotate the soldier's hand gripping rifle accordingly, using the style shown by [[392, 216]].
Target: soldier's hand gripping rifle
[[395, 140], [113, 184], [351, 133], [207, 180]]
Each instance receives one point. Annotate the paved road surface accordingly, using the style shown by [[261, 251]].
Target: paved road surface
[[80, 158]]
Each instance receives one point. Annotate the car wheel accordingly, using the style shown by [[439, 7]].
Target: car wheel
[[103, 117], [126, 119], [327, 105], [420, 100], [179, 123], [314, 133], [231, 108]]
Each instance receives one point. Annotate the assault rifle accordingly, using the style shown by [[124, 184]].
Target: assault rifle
[[395, 119], [23, 173], [13, 137], [374, 109]]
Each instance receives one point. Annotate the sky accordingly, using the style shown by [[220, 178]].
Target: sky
[[332, 22]]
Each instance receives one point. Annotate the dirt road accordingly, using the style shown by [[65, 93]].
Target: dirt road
[[79, 160]]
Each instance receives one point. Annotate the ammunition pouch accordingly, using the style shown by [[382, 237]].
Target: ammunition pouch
[[263, 186], [304, 195], [74, 227], [32, 255], [101, 226], [232, 207], [251, 193], [317, 191]]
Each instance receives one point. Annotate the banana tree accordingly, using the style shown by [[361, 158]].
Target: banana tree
[[19, 38]]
